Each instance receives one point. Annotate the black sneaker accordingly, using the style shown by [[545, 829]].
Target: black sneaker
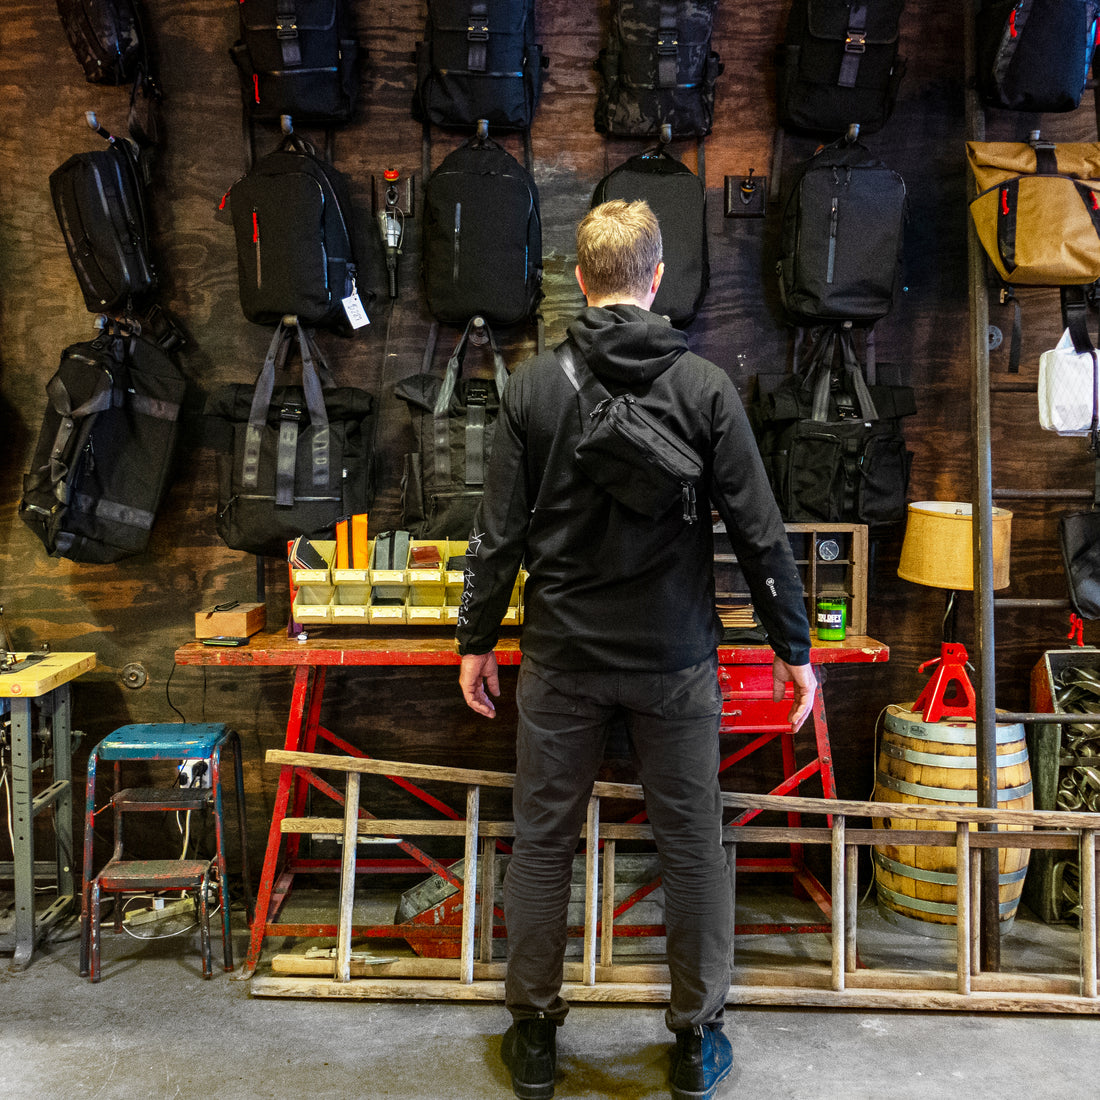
[[529, 1050], [701, 1058]]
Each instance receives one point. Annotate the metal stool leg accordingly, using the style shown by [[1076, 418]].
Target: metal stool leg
[[86, 872], [219, 835]]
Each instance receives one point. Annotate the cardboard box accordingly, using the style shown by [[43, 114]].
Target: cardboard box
[[240, 621]]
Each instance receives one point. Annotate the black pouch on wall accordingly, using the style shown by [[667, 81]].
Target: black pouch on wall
[[100, 202], [1034, 55]]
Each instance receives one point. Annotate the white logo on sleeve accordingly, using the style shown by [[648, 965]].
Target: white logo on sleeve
[[770, 582]]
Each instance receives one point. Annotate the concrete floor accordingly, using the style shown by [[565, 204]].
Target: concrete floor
[[153, 1028]]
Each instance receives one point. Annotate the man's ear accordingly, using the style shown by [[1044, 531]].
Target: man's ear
[[580, 280], [658, 275]]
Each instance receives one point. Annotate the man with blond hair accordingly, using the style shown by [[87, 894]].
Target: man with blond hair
[[620, 627]]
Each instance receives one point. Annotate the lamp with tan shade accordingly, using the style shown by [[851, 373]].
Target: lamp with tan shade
[[938, 552]]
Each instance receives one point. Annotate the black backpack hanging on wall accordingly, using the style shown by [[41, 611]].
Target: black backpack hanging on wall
[[299, 58], [1035, 55], [839, 64], [658, 69], [104, 454], [481, 241], [841, 237], [479, 59], [292, 459], [100, 202], [832, 445], [677, 197], [296, 249], [107, 38], [453, 418]]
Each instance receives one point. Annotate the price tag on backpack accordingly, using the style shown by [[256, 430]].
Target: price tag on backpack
[[353, 307]]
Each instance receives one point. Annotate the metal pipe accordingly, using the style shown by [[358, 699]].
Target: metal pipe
[[986, 710]]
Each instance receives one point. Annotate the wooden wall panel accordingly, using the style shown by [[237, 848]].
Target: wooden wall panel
[[141, 610]]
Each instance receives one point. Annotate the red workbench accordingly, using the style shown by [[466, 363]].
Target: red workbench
[[748, 709]]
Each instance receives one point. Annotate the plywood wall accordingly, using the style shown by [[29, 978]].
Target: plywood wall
[[140, 610]]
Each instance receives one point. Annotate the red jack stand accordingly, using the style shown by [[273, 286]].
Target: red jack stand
[[934, 702]]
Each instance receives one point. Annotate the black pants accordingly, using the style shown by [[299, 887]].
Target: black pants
[[672, 721]]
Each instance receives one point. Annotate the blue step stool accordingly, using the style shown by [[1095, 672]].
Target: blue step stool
[[162, 741]]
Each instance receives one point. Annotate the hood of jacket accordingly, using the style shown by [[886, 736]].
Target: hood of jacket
[[625, 344]]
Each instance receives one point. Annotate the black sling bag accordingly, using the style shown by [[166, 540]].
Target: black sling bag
[[627, 451]]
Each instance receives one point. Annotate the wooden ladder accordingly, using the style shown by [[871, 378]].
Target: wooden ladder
[[843, 984]]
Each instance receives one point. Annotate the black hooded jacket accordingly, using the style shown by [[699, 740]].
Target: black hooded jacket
[[608, 588]]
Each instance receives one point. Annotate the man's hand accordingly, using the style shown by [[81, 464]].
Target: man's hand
[[805, 687], [478, 680]]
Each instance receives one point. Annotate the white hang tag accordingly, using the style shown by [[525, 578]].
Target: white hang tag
[[356, 314]]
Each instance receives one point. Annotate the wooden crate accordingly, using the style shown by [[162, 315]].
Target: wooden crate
[[831, 559]]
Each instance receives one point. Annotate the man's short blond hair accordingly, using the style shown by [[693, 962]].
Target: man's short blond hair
[[618, 249]]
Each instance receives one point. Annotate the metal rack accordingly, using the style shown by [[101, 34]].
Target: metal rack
[[983, 495]]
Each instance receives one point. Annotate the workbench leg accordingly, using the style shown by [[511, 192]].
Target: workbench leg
[[63, 773], [292, 743], [22, 814], [821, 738], [305, 714]]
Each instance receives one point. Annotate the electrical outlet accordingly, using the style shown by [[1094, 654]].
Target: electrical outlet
[[393, 191], [194, 773], [746, 196]]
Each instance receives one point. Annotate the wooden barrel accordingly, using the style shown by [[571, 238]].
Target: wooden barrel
[[935, 763]]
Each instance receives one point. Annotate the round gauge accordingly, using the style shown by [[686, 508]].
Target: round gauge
[[828, 549]]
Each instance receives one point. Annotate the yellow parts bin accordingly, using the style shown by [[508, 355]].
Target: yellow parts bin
[[408, 582]]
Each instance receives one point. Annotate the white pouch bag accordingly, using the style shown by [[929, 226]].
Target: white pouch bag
[[1069, 389]]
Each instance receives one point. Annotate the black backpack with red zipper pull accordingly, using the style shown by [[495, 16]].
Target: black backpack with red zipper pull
[[299, 58], [296, 249]]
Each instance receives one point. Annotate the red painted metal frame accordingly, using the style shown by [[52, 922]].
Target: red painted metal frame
[[749, 709]]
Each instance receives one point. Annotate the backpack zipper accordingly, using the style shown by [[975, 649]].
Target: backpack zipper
[[834, 218], [256, 242], [458, 237]]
